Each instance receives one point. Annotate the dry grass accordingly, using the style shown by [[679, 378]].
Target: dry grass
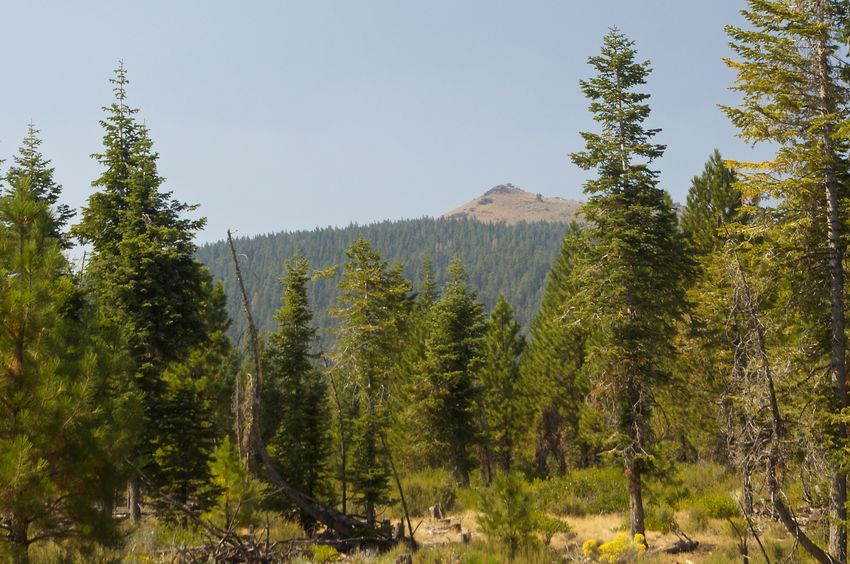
[[716, 544]]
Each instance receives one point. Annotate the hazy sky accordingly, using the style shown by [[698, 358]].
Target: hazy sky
[[289, 115]]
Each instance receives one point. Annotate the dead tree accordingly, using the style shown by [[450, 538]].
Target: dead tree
[[766, 434]]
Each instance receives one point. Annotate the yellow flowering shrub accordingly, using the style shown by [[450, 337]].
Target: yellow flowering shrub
[[618, 550]]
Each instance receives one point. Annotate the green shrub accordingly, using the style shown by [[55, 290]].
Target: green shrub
[[427, 488], [661, 518], [324, 554], [704, 477], [548, 527], [588, 490], [698, 517], [720, 505]]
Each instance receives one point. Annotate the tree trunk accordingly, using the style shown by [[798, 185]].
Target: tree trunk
[[461, 473], [636, 516], [838, 368], [18, 536], [135, 499]]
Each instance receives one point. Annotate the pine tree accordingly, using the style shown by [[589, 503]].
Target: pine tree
[[632, 273], [410, 390], [299, 398], [238, 493], [552, 365], [372, 311], [712, 202], [507, 404], [794, 96], [452, 358], [30, 163], [145, 276], [65, 417], [710, 223]]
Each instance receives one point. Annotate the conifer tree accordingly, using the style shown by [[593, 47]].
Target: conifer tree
[[712, 202], [372, 311], [151, 288], [710, 222], [552, 364], [794, 96], [452, 358], [507, 404], [299, 399], [411, 389], [632, 273], [30, 163], [65, 416]]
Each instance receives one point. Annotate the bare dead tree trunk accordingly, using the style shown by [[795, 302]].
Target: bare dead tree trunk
[[250, 419], [774, 455], [237, 415]]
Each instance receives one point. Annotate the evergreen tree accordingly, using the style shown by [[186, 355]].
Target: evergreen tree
[[712, 202], [372, 311], [65, 419], [30, 163], [299, 436], [506, 400], [708, 339], [552, 366], [794, 96], [144, 273], [632, 274], [452, 358], [238, 493], [411, 388]]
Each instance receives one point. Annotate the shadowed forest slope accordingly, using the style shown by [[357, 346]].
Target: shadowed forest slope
[[500, 258]]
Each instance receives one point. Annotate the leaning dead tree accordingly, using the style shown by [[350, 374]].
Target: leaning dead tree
[[254, 449], [761, 424]]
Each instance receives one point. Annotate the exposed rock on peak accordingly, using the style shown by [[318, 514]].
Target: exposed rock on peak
[[512, 205]]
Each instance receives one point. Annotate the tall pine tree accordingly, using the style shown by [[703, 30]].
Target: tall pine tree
[[372, 310], [297, 403], [452, 358], [152, 289], [506, 398], [552, 366], [66, 418], [632, 273]]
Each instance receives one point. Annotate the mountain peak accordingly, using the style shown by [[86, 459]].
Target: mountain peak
[[504, 189], [512, 205]]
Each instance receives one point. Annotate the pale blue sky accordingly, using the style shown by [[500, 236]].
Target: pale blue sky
[[289, 115]]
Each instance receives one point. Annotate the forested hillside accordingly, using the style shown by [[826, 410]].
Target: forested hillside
[[499, 258]]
